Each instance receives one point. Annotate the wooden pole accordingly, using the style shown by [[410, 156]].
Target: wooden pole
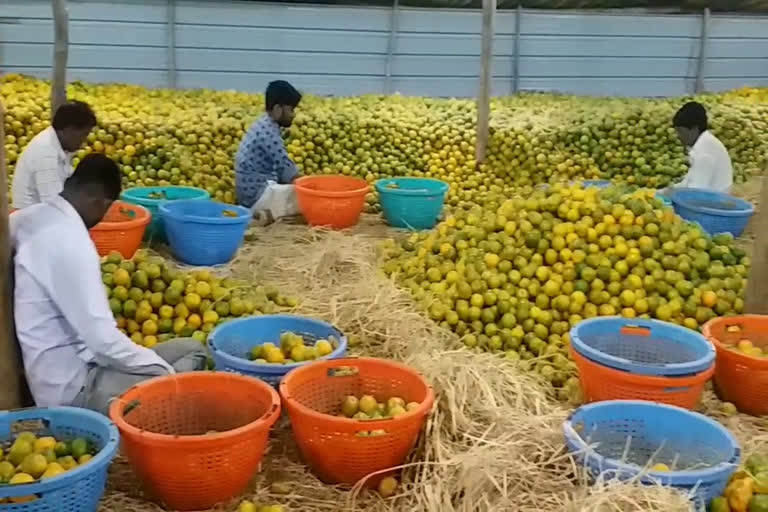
[[484, 93], [702, 62], [11, 368], [757, 291], [60, 54]]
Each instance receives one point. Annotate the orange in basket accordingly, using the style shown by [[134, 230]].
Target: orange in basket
[[740, 378], [196, 439], [600, 383], [121, 229], [331, 446], [333, 201]]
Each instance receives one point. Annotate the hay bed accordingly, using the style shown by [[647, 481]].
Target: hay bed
[[493, 442]]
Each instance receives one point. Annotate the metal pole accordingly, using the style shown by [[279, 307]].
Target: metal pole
[[516, 63], [486, 72], [60, 54], [393, 27], [702, 51], [171, 38]]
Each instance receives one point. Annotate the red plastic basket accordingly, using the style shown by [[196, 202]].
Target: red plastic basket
[[740, 378], [599, 382], [333, 201], [331, 446], [164, 424], [121, 229]]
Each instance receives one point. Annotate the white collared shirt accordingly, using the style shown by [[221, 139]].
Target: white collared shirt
[[63, 320], [711, 166], [41, 170]]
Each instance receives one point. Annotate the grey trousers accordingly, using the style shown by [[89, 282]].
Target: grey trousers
[[103, 384]]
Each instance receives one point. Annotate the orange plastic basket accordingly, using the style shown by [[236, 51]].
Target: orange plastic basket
[[121, 229], [333, 201], [740, 378], [599, 382], [331, 446], [164, 424]]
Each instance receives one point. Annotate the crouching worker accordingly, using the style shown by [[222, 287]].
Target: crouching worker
[[264, 173], [73, 352]]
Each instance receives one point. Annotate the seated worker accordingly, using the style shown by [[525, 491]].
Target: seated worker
[[47, 160], [73, 352], [264, 172], [710, 164]]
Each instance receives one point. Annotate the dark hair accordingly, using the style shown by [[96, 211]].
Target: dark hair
[[96, 169], [281, 92], [691, 114], [76, 114]]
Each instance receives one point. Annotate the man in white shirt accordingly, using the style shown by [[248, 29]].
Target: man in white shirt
[[47, 160], [73, 352], [710, 164]]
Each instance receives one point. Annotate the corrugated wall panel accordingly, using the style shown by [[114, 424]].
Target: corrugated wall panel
[[343, 50]]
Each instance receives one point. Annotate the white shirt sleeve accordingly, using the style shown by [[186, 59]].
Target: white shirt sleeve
[[47, 177], [77, 289]]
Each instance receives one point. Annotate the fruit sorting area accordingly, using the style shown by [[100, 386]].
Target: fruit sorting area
[[494, 348]]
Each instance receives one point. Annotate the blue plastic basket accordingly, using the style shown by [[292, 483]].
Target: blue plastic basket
[[411, 203], [595, 183], [714, 211], [643, 347], [78, 490], [199, 233], [231, 343], [141, 196], [650, 433]]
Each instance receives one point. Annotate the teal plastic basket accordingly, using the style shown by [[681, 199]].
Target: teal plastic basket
[[152, 197]]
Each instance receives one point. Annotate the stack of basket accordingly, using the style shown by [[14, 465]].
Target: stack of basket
[[636, 359]]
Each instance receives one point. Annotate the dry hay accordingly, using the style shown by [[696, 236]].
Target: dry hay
[[494, 439]]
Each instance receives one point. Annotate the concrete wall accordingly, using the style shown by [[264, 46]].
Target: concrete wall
[[344, 50]]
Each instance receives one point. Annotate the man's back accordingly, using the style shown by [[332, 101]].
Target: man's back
[[711, 164], [41, 170], [44, 236]]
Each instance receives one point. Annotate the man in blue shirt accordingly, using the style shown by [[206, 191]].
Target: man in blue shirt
[[263, 170]]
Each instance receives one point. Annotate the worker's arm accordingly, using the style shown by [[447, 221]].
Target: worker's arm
[[286, 170], [75, 287], [47, 177], [700, 173]]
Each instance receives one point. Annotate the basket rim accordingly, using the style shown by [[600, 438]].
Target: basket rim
[[382, 188], [131, 193], [144, 218], [654, 380], [623, 364], [266, 420], [272, 369], [349, 425], [336, 194], [101, 459], [167, 210], [679, 477], [678, 199], [722, 350]]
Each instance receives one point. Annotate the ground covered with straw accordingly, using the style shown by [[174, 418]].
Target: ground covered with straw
[[493, 441]]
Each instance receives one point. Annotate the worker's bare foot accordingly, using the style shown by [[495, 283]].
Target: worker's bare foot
[[262, 218]]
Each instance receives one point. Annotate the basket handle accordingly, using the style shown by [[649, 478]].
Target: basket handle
[[34, 420], [635, 330], [343, 371]]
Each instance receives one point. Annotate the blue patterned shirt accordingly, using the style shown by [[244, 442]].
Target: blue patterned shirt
[[261, 158]]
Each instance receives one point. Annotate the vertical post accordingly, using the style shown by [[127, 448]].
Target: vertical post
[[516, 63], [484, 93], [757, 293], [10, 360], [393, 27], [60, 54], [171, 40], [702, 51]]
